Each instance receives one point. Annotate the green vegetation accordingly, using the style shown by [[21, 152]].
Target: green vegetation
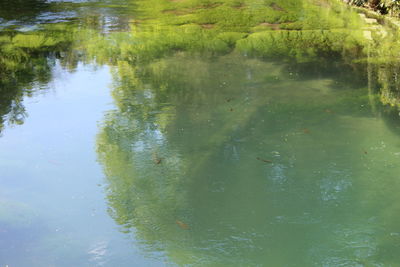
[[391, 7], [26, 61], [178, 74], [292, 28], [208, 28]]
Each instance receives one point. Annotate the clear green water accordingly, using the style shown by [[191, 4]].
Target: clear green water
[[130, 138]]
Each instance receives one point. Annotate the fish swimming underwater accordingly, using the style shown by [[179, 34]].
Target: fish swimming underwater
[[264, 160], [182, 225]]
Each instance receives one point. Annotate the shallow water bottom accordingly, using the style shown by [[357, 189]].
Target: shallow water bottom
[[227, 161]]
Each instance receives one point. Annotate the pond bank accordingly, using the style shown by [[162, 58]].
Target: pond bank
[[387, 14]]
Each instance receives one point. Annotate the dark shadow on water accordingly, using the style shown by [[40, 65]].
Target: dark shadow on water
[[22, 10]]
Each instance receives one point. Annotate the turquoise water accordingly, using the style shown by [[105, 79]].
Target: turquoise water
[[189, 157], [265, 167], [53, 211]]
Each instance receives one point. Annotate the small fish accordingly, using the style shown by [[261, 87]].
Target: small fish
[[306, 131], [264, 160], [365, 152], [231, 109], [229, 99], [156, 158], [182, 225], [329, 111]]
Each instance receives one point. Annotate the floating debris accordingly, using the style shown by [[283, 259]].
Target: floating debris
[[182, 225]]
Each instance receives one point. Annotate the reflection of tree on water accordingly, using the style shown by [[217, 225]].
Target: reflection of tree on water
[[22, 9], [27, 58], [239, 210], [26, 63], [180, 151], [209, 125], [18, 71], [34, 52]]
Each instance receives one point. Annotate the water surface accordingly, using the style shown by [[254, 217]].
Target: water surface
[[175, 133]]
